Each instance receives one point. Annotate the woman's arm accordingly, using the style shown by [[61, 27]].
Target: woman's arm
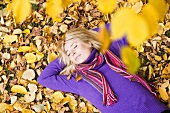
[[116, 45], [50, 78]]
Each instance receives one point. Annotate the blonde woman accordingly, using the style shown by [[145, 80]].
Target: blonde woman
[[105, 82]]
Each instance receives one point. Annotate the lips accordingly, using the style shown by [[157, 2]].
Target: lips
[[77, 57]]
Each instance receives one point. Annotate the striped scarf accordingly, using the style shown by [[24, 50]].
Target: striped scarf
[[98, 80]]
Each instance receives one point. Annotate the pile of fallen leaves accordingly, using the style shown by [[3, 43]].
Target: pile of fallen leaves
[[27, 48]]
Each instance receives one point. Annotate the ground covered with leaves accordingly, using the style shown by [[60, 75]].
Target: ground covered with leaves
[[27, 48]]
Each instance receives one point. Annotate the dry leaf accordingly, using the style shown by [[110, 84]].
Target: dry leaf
[[30, 57], [38, 108], [29, 97], [162, 91], [57, 97], [4, 106], [51, 57], [24, 48], [6, 56], [32, 87], [29, 74], [19, 89], [10, 38]]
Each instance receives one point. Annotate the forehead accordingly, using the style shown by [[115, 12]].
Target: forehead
[[70, 42]]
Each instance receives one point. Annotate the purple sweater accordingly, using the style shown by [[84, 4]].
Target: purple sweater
[[132, 96]]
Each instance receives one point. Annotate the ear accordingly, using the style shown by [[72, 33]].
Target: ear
[[90, 44]]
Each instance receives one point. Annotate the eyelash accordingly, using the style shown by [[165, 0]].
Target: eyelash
[[73, 48]]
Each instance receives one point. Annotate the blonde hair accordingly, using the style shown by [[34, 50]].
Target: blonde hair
[[83, 34]]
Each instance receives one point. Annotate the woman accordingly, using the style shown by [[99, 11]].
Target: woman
[[102, 83]]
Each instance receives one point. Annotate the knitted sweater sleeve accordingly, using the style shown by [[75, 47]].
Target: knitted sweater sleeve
[[116, 46], [50, 78]]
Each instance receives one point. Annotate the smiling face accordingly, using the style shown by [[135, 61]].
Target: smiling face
[[77, 50]]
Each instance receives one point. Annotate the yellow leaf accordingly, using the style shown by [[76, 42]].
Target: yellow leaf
[[10, 38], [33, 47], [53, 8], [72, 103], [65, 100], [162, 91], [157, 58], [127, 22], [4, 106], [165, 57], [151, 17], [19, 89], [21, 9], [78, 77], [51, 57], [103, 37], [27, 111], [57, 97], [27, 31], [160, 7], [65, 3], [24, 48], [30, 57], [106, 6], [47, 107], [131, 1], [1, 68], [39, 56], [130, 60], [9, 7]]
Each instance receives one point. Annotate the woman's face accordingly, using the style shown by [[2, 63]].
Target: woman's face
[[77, 50]]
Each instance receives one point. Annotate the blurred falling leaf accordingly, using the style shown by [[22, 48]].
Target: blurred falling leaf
[[103, 37], [53, 8], [51, 57], [10, 38], [162, 91], [151, 17], [19, 89], [160, 10], [130, 60], [126, 22], [4, 106], [29, 74], [30, 57], [21, 9], [24, 48], [106, 6]]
